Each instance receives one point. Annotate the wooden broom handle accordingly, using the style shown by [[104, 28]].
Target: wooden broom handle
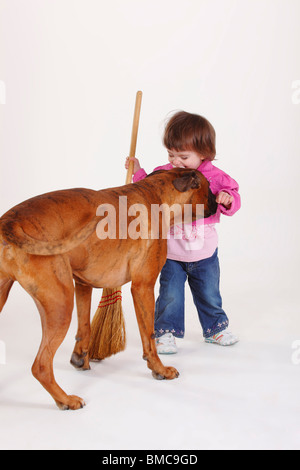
[[134, 133]]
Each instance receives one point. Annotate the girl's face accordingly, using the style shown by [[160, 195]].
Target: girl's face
[[185, 159]]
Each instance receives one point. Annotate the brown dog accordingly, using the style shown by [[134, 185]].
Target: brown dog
[[51, 240]]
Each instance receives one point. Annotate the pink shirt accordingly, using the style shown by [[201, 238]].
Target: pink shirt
[[199, 240]]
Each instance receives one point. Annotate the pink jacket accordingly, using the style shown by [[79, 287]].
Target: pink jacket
[[218, 180]]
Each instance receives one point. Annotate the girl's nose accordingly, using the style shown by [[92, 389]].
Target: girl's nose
[[178, 163]]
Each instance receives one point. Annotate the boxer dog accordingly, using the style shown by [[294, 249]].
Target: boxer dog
[[53, 246]]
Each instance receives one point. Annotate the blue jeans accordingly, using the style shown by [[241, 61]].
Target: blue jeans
[[204, 278]]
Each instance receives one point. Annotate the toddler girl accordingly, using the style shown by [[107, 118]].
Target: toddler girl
[[193, 256]]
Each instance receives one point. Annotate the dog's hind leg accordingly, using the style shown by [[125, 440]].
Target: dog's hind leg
[[54, 298], [80, 356]]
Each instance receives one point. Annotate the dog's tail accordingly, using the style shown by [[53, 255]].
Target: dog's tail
[[13, 233], [6, 280], [5, 286]]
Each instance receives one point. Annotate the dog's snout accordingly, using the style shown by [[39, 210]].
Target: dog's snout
[[212, 204]]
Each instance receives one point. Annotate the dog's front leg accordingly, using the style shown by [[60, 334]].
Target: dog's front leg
[[144, 303]]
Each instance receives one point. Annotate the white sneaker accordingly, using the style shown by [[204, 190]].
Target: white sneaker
[[224, 338], [165, 344]]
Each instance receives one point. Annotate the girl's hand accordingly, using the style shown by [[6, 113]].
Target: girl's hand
[[225, 199], [136, 165]]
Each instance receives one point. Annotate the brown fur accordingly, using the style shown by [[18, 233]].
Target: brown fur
[[50, 241]]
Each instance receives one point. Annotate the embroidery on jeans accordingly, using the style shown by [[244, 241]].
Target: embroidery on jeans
[[224, 323], [174, 332]]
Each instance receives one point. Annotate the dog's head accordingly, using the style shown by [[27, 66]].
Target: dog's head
[[195, 183], [183, 186], [194, 180]]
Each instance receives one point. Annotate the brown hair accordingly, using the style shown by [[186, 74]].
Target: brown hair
[[185, 131]]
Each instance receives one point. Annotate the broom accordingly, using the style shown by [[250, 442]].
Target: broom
[[108, 335]]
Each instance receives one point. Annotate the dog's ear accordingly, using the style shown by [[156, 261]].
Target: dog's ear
[[189, 180]]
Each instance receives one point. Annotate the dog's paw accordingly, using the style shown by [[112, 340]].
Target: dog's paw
[[168, 373], [72, 403], [80, 362]]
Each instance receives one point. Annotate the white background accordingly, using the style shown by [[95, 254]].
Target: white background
[[70, 70]]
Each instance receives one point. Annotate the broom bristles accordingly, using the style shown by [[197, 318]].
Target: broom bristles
[[108, 335]]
